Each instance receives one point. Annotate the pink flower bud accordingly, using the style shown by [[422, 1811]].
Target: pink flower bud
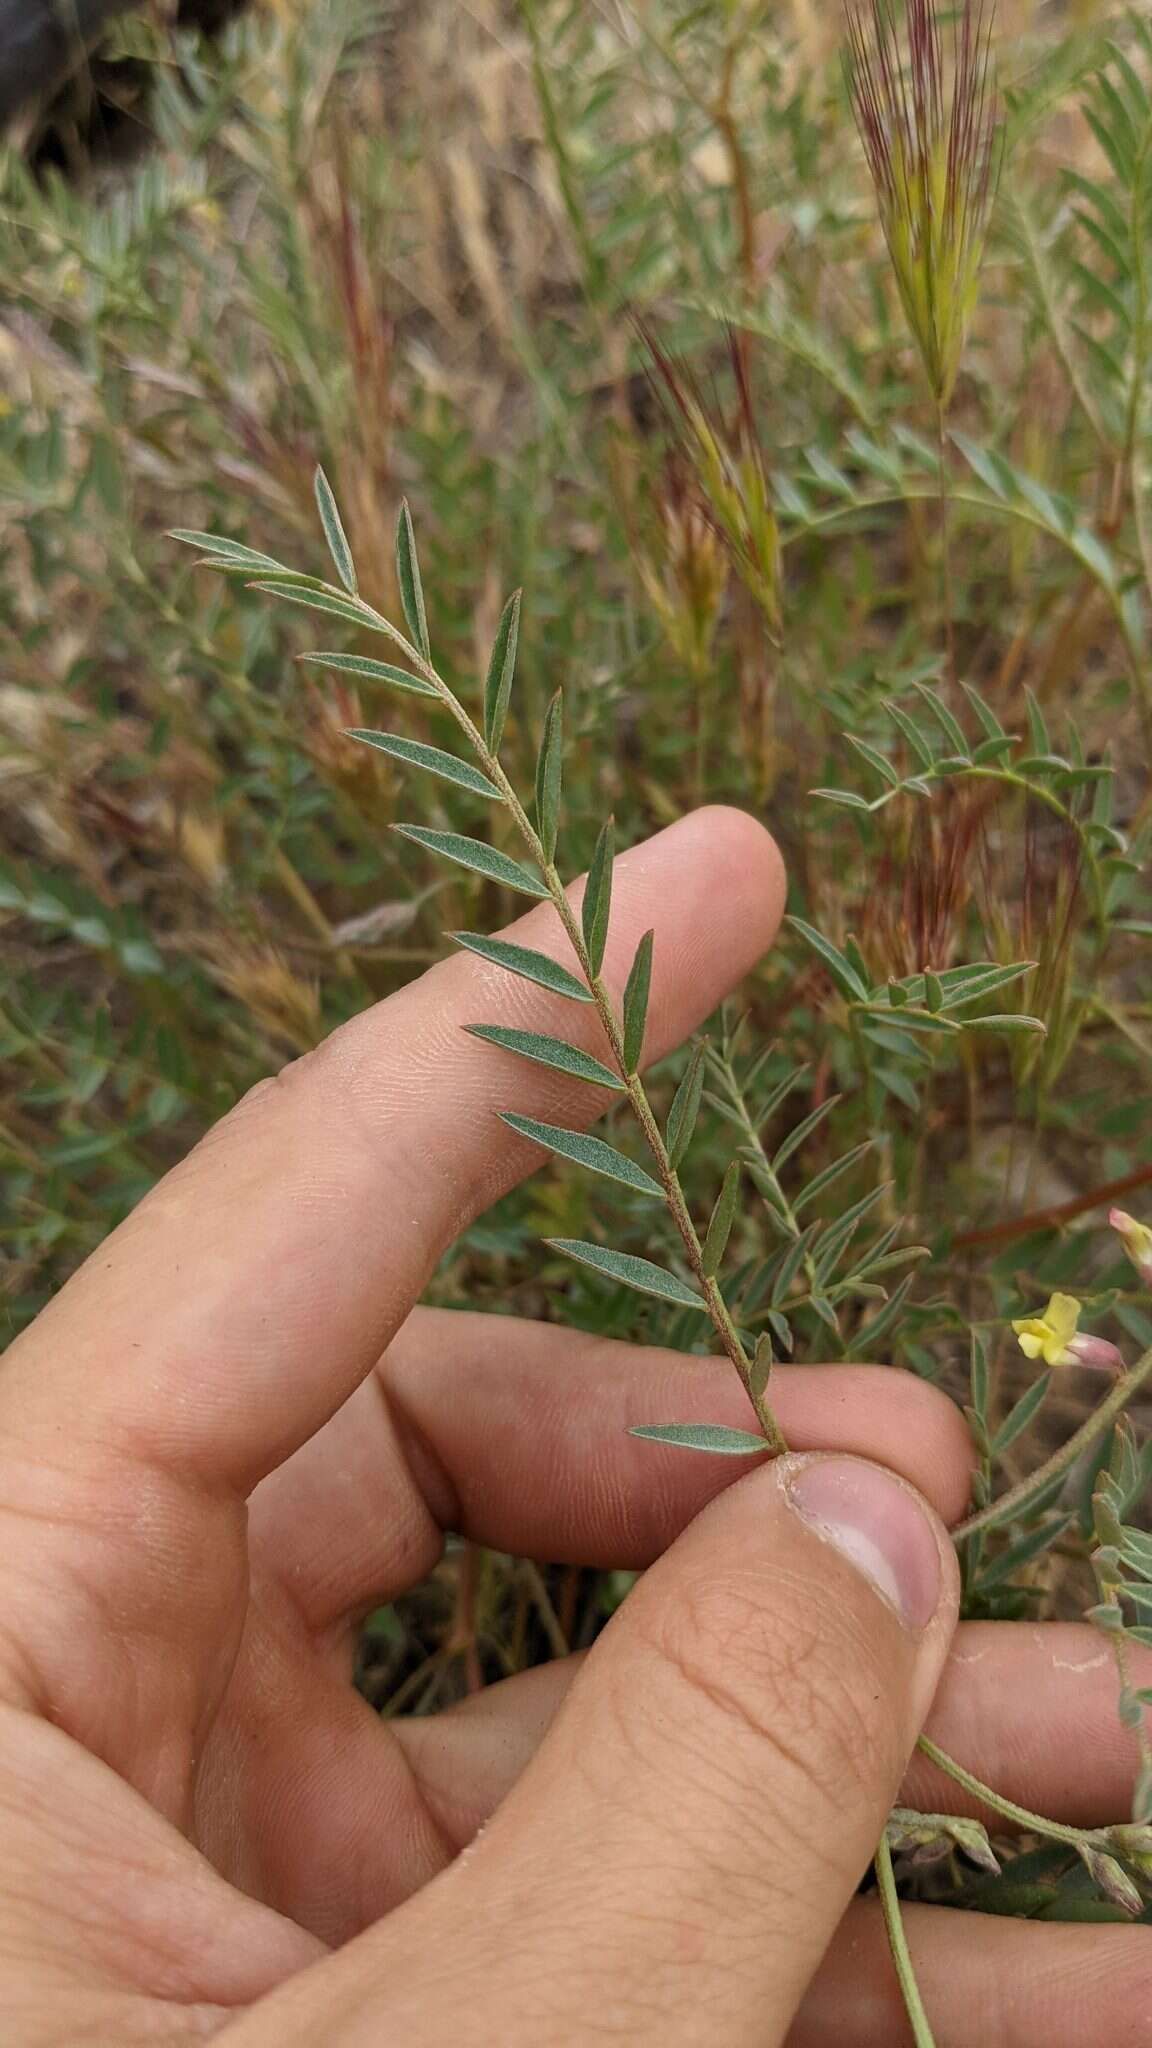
[[1097, 1353], [1136, 1239]]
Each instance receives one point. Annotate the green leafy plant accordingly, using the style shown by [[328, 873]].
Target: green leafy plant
[[904, 1139], [808, 1275]]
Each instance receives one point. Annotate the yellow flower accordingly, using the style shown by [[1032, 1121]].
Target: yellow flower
[[1054, 1338], [1049, 1336]]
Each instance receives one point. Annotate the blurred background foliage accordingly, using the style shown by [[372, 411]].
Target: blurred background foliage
[[491, 257]]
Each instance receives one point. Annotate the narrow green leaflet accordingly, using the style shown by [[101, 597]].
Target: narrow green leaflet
[[962, 985], [984, 713], [548, 1052], [334, 532], [408, 578], [686, 1106], [636, 1003], [722, 1219], [843, 973], [549, 776], [433, 758], [1009, 1024], [761, 1369], [703, 1436], [224, 551], [477, 855], [888, 1316], [1018, 1418], [952, 731], [597, 905], [586, 1151], [921, 747], [522, 960], [275, 579], [834, 1240], [501, 668], [830, 1174], [876, 760], [319, 601], [978, 1369], [1038, 726], [802, 1131], [791, 1263], [373, 671], [914, 1019], [631, 1271]]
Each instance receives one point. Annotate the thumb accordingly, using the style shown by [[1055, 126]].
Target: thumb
[[671, 1867]]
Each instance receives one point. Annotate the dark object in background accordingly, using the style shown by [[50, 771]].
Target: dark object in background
[[87, 104], [41, 41]]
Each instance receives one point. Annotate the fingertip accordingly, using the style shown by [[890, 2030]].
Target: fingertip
[[884, 1413], [744, 852]]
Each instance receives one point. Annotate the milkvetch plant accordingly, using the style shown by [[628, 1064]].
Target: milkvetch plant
[[940, 1084], [820, 1268]]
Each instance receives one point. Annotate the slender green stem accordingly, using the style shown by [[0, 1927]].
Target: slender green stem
[[1020, 1816], [755, 1144], [897, 1941], [1010, 1504], [715, 1304]]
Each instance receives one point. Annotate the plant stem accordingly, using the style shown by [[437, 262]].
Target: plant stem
[[1021, 1816], [1009, 1504], [897, 1941], [714, 1302], [1060, 1212], [754, 1142]]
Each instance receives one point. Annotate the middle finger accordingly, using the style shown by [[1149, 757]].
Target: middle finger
[[516, 1434]]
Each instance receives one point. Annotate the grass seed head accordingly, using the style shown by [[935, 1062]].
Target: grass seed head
[[927, 117]]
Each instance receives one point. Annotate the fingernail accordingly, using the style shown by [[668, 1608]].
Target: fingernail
[[878, 1524]]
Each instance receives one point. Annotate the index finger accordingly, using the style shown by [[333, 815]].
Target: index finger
[[255, 1287]]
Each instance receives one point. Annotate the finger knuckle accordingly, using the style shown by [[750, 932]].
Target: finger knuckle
[[779, 1673]]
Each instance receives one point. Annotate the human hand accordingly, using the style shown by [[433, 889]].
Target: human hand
[[229, 1437]]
